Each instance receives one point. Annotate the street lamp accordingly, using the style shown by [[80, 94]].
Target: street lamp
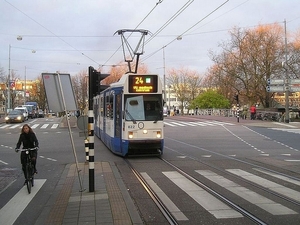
[[164, 73], [8, 82]]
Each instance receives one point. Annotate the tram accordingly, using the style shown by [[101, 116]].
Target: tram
[[128, 116]]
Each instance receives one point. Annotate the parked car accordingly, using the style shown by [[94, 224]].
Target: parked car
[[41, 113], [24, 111], [14, 116]]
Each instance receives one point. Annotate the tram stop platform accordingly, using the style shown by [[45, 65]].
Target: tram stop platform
[[73, 203]]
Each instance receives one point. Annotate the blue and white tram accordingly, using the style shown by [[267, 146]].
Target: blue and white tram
[[129, 115]]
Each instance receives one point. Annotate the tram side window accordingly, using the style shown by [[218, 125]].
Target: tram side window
[[109, 107], [101, 106]]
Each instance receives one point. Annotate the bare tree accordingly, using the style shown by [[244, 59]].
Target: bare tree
[[80, 87], [186, 84], [248, 60]]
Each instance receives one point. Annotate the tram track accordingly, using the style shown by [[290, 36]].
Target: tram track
[[163, 209], [168, 215]]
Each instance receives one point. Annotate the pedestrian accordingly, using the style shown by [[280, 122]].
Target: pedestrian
[[253, 112], [28, 140]]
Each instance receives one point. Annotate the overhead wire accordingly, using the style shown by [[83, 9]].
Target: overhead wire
[[150, 55], [159, 2], [52, 32]]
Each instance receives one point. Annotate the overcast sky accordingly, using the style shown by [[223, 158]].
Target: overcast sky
[[70, 35]]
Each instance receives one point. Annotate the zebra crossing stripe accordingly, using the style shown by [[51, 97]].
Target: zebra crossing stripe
[[54, 126], [35, 126], [213, 205], [14, 126], [290, 193], [297, 182], [250, 196], [179, 124], [164, 198], [45, 126], [172, 125], [190, 124], [7, 125]]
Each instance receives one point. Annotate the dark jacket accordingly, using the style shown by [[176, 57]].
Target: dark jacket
[[28, 140]]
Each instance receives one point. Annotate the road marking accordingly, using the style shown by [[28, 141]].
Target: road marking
[[297, 182], [54, 126], [45, 126], [164, 198], [4, 126], [14, 126], [283, 124], [35, 126], [292, 160], [12, 210], [178, 124], [250, 196], [172, 125], [213, 205], [5, 163], [267, 184]]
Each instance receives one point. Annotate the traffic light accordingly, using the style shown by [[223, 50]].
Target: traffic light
[[236, 97], [95, 78]]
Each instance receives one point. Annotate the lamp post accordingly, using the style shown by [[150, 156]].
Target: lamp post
[[286, 82], [8, 81], [164, 73]]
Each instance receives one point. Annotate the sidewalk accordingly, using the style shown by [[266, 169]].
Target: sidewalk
[[109, 204]]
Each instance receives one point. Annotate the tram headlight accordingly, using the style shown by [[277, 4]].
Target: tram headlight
[[158, 134], [145, 131], [130, 134]]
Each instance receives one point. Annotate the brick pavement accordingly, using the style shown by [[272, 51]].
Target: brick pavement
[[109, 204]]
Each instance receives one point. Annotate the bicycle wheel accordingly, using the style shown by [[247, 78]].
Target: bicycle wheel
[[28, 178]]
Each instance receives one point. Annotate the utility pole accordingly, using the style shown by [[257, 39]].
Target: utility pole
[[286, 82]]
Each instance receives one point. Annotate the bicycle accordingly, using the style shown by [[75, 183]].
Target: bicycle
[[29, 168]]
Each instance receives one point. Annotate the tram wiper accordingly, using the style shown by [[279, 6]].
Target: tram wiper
[[130, 116], [158, 117]]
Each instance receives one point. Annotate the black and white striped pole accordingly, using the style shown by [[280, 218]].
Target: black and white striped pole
[[92, 91], [86, 148], [236, 97]]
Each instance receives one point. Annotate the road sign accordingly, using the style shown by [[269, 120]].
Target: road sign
[[295, 89], [295, 81], [275, 81], [275, 88]]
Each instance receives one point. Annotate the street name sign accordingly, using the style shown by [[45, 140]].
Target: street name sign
[[295, 81], [275, 88], [275, 81]]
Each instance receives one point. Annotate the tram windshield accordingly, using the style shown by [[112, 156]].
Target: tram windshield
[[143, 107]]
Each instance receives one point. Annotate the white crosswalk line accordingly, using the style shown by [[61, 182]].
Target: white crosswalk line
[[213, 205], [296, 131], [172, 125], [179, 124], [250, 196], [11, 211], [35, 126], [166, 200], [297, 182], [4, 126], [197, 123], [290, 193], [44, 126], [54, 126], [14, 126]]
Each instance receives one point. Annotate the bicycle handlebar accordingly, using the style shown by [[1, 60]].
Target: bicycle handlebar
[[26, 149]]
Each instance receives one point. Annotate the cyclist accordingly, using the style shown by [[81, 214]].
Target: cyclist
[[28, 140]]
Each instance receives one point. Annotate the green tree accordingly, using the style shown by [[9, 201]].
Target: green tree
[[210, 99]]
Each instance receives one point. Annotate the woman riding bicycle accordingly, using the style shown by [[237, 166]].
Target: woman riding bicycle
[[28, 140]]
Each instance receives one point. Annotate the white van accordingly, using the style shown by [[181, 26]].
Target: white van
[[24, 111]]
